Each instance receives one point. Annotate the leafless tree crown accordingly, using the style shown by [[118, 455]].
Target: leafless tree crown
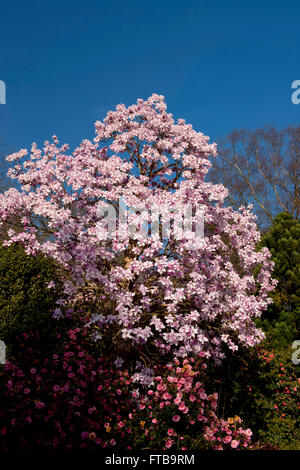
[[261, 167]]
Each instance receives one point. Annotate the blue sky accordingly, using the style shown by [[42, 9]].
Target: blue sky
[[220, 64]]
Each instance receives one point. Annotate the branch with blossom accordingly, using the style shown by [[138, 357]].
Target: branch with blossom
[[177, 300]]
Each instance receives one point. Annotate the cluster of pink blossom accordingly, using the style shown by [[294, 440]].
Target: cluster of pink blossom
[[182, 301], [178, 412], [228, 434], [69, 400], [72, 399]]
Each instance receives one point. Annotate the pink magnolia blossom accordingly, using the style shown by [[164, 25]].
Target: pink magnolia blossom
[[204, 300]]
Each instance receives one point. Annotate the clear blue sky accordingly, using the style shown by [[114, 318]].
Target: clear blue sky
[[220, 64]]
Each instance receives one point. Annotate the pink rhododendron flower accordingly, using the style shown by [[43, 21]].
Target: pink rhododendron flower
[[234, 444], [169, 443]]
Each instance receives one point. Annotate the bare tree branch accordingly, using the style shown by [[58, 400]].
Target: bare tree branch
[[262, 168]]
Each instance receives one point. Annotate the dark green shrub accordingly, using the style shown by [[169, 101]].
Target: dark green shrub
[[25, 301], [281, 321]]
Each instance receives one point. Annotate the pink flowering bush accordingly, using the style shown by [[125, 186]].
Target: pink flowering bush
[[227, 434], [75, 399], [70, 400], [159, 294], [177, 413]]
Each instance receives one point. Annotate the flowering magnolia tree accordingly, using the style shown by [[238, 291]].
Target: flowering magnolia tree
[[142, 291]]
